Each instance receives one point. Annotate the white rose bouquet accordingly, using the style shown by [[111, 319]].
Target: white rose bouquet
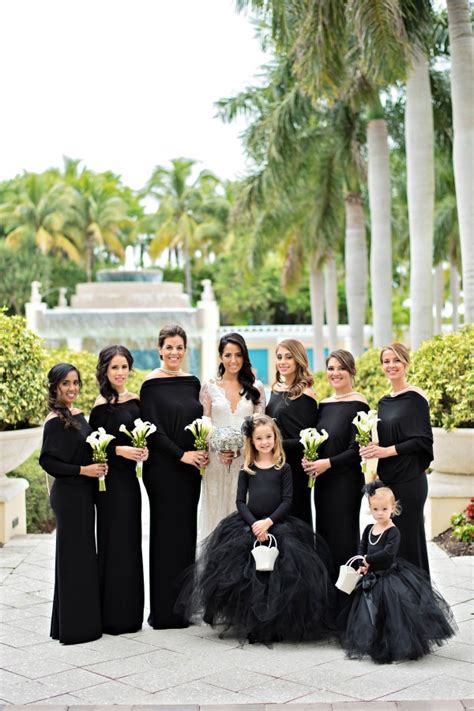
[[201, 428], [99, 441], [311, 440], [138, 436], [226, 439], [366, 425]]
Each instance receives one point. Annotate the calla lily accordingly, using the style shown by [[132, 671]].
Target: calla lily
[[311, 440]]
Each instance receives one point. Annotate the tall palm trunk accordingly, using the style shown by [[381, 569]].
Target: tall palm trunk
[[331, 300], [454, 290], [419, 139], [187, 268], [316, 290], [380, 221], [438, 286], [89, 253], [356, 270], [462, 91]]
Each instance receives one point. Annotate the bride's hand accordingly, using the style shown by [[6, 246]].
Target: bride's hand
[[226, 457]]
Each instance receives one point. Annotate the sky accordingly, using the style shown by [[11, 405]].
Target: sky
[[123, 85]]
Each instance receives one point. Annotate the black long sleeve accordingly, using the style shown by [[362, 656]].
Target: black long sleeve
[[64, 450], [269, 492], [381, 555], [341, 447]]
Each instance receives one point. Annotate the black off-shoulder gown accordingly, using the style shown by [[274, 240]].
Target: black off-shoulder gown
[[292, 416], [173, 489], [76, 606], [119, 532], [405, 423], [339, 489]]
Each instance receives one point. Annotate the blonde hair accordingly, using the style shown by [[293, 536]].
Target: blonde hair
[[382, 491], [303, 377], [401, 351], [250, 453]]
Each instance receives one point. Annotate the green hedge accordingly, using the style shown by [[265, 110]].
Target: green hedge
[[39, 515]]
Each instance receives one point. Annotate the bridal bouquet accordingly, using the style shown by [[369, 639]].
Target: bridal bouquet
[[201, 428], [138, 436], [366, 425], [99, 441], [226, 439], [311, 440]]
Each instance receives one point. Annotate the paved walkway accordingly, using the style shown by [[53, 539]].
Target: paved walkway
[[194, 667]]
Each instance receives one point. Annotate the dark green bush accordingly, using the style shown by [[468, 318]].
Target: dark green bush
[[39, 515]]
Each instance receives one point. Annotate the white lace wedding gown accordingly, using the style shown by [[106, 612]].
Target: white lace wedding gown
[[219, 486]]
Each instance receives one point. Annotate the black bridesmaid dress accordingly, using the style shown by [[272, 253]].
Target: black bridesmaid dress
[[405, 423], [292, 416], [119, 532], [76, 614], [340, 487], [173, 489]]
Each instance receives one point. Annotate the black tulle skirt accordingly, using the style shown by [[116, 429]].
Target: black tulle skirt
[[396, 615], [295, 601]]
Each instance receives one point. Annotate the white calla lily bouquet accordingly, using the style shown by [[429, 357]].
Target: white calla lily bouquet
[[201, 428], [366, 425], [99, 440], [139, 436], [311, 440]]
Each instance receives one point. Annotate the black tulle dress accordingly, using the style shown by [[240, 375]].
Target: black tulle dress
[[340, 487], [173, 489], [76, 606], [292, 416], [293, 602], [405, 423], [394, 614], [119, 532]]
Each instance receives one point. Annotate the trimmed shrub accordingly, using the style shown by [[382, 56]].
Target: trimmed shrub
[[39, 515], [370, 380]]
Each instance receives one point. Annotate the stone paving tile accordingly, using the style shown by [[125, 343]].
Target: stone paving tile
[[117, 647], [441, 687], [321, 696], [14, 599], [463, 611], [71, 680], [332, 673], [17, 637], [154, 680], [299, 707], [23, 584], [465, 632], [25, 692], [433, 705], [433, 665], [468, 703], [236, 679], [40, 625], [61, 703], [374, 706], [8, 677], [454, 595], [113, 692], [278, 691], [382, 680], [42, 609], [457, 650], [36, 667], [198, 692], [75, 654], [118, 668], [10, 559]]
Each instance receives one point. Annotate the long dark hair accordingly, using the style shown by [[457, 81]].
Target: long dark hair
[[55, 377], [105, 356], [245, 375], [169, 332]]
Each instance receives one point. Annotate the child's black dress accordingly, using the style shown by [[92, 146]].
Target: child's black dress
[[294, 601], [394, 612]]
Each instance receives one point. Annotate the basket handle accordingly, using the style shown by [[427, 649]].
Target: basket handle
[[271, 541], [354, 558]]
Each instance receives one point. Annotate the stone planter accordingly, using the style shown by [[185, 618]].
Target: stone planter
[[15, 447], [451, 482]]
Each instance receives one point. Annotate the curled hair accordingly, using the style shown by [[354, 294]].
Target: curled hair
[[169, 332], [303, 378], [108, 392], [250, 453], [345, 360], [55, 377], [401, 351], [377, 489], [245, 375]]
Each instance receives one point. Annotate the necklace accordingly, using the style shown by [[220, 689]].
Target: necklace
[[170, 372], [124, 394], [374, 543], [339, 397]]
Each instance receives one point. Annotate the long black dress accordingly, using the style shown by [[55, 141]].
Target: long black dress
[[173, 489], [76, 607], [394, 612], [292, 416], [340, 487], [293, 602], [119, 533], [405, 423]]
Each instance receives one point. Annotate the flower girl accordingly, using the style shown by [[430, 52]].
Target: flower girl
[[394, 613], [294, 601]]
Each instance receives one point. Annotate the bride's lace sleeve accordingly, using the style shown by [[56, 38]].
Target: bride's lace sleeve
[[261, 404], [206, 400]]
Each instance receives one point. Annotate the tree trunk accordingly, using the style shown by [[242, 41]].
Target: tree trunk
[[454, 289], [419, 139], [187, 269], [438, 297], [89, 255], [462, 94], [316, 290], [381, 241], [331, 301], [356, 271]]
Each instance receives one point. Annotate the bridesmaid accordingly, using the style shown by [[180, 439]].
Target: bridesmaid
[[119, 533], [293, 405], [339, 478], [170, 399], [66, 456], [405, 450]]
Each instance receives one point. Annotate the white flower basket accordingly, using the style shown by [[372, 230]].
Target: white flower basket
[[265, 556], [348, 577]]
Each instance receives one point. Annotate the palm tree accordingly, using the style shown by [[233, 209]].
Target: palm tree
[[462, 82]]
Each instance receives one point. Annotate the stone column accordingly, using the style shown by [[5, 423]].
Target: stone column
[[208, 323]]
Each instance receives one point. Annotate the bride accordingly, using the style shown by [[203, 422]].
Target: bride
[[227, 400]]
